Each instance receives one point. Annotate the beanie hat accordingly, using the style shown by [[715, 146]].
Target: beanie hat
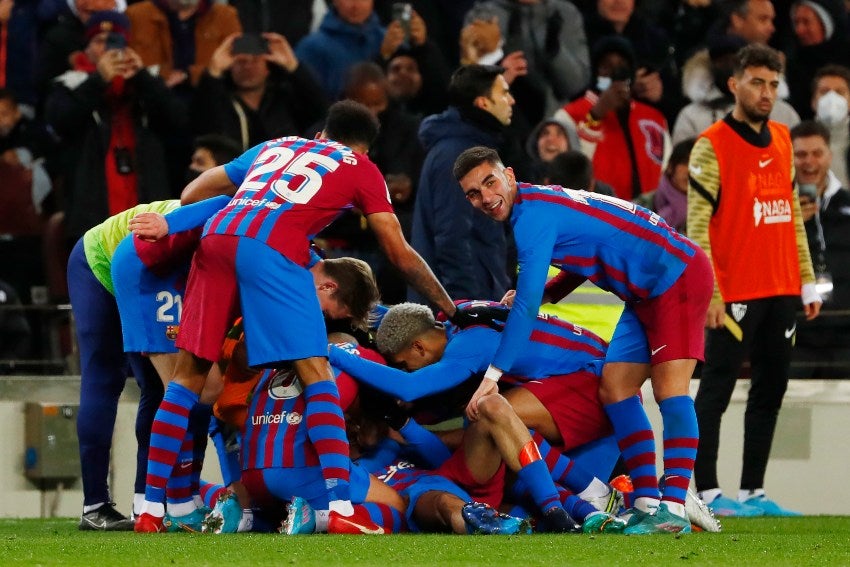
[[107, 21]]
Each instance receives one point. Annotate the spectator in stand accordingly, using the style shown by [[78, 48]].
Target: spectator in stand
[[656, 77], [823, 345], [349, 33], [417, 70], [705, 81], [573, 170], [670, 199], [397, 153], [551, 37], [211, 150], [180, 36], [551, 137], [14, 329], [751, 20], [417, 92], [686, 22], [466, 250], [819, 38], [112, 115], [292, 19], [255, 89], [627, 158], [19, 37], [67, 37], [830, 102]]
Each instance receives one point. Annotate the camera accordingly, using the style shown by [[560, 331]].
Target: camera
[[807, 190], [402, 12], [250, 44]]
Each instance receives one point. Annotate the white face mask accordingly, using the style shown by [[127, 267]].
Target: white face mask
[[832, 108], [603, 83]]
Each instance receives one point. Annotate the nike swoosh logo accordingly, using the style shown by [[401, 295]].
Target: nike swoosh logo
[[696, 169], [472, 314], [765, 162], [790, 332], [362, 529], [657, 350], [99, 526]]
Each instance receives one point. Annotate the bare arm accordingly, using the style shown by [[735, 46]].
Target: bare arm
[[211, 183], [408, 261]]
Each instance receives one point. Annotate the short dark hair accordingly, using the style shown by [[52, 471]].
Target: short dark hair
[[350, 122], [470, 82], [363, 73], [808, 128], [571, 169], [681, 152], [222, 148], [756, 55], [356, 287], [472, 158], [831, 70]]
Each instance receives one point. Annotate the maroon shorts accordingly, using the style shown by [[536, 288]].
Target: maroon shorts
[[489, 492], [674, 321], [573, 402], [212, 298]]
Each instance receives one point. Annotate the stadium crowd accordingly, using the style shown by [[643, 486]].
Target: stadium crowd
[[169, 166]]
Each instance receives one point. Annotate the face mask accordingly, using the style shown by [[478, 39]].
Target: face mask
[[832, 108], [603, 83]]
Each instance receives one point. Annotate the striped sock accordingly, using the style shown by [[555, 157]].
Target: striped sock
[[199, 425], [681, 437], [228, 454], [564, 470], [211, 492], [326, 430], [637, 444], [385, 516], [577, 508], [541, 488], [178, 490], [167, 434]]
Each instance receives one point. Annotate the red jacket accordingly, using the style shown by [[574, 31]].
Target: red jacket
[[606, 145]]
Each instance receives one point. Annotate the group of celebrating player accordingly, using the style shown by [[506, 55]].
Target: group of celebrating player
[[327, 438]]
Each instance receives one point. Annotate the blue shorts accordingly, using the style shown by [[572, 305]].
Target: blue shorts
[[429, 482], [629, 343], [150, 306], [276, 486]]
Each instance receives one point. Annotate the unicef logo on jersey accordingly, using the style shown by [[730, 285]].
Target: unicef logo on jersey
[[285, 385]]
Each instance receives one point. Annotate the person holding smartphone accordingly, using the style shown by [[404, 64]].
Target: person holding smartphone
[[112, 116]]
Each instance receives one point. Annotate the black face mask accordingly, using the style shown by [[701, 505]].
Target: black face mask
[[190, 175]]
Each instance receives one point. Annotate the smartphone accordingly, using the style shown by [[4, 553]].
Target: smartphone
[[251, 44], [402, 12], [115, 41]]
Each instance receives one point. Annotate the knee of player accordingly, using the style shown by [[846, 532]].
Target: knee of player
[[493, 407]]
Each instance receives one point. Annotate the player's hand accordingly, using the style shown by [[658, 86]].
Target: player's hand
[[812, 310], [508, 298], [493, 317], [715, 315], [486, 388], [149, 226]]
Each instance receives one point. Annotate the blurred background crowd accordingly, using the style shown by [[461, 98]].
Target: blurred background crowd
[[105, 104]]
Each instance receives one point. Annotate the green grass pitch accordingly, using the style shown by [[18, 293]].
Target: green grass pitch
[[820, 541]]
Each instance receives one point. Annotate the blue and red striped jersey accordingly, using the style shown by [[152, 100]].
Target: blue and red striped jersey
[[291, 188]]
